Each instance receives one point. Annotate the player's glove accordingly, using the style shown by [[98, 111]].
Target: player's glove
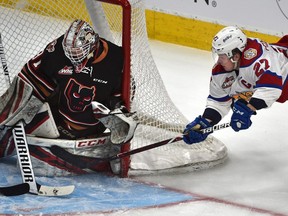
[[192, 133], [240, 119]]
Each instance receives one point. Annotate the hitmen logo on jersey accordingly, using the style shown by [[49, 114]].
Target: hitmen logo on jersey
[[228, 82], [250, 53], [78, 96], [67, 70]]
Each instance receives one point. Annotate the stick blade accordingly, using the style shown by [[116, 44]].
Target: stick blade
[[15, 190], [55, 191]]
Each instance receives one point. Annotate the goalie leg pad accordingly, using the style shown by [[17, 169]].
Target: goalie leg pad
[[45, 163], [7, 145], [18, 103]]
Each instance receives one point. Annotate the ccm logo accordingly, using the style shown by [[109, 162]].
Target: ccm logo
[[89, 143]]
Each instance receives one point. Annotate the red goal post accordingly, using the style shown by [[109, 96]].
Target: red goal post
[[27, 26]]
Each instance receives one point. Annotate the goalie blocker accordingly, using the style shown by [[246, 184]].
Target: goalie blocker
[[42, 133]]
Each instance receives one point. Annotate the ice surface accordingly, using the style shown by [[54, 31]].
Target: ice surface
[[252, 182]]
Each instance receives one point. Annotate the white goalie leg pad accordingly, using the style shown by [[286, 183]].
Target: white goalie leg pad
[[69, 144], [99, 147], [45, 125], [51, 165], [7, 146], [18, 103]]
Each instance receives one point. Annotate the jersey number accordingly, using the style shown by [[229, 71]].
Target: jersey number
[[261, 66]]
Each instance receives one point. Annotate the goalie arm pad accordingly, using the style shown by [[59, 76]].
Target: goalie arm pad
[[121, 123], [18, 103]]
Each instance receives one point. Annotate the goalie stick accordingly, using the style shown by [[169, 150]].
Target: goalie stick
[[15, 190], [23, 154], [23, 188], [88, 162]]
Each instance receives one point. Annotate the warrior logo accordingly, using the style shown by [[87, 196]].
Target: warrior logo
[[78, 96]]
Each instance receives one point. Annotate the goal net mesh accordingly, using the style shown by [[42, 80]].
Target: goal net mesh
[[26, 28]]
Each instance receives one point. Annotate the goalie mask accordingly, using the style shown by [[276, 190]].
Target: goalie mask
[[79, 43]]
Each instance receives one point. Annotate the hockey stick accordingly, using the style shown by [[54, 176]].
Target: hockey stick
[[215, 128], [23, 188], [24, 155], [84, 162], [88, 162], [15, 190]]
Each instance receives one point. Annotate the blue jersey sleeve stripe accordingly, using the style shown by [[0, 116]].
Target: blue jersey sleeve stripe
[[223, 99], [269, 86]]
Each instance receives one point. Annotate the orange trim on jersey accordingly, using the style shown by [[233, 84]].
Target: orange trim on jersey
[[103, 54], [75, 126]]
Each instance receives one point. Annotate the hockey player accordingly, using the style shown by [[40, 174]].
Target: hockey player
[[77, 80], [249, 75]]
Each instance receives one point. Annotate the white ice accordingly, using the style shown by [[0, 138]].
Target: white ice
[[254, 179]]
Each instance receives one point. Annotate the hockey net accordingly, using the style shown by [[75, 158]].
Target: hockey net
[[27, 26]]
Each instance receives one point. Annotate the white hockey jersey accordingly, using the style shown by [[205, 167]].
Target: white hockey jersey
[[263, 71]]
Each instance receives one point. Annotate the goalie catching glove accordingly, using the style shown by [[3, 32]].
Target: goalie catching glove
[[192, 133], [121, 123]]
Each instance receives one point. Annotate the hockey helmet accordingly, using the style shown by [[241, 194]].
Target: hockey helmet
[[79, 41], [227, 41]]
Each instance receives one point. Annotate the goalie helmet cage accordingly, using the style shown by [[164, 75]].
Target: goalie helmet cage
[[27, 26]]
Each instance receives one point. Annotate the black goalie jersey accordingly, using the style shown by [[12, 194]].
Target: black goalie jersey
[[69, 92]]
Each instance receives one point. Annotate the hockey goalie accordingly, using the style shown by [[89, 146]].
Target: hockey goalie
[[69, 95]]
